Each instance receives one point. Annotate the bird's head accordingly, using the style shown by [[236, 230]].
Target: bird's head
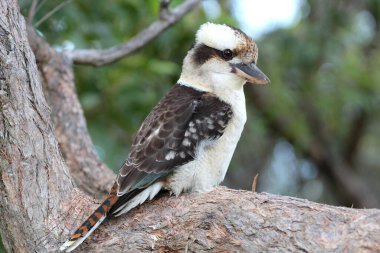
[[221, 57]]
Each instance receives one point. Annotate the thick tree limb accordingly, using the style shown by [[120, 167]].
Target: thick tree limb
[[237, 221], [101, 57], [87, 170]]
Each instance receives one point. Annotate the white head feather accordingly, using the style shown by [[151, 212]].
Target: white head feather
[[217, 36], [214, 75]]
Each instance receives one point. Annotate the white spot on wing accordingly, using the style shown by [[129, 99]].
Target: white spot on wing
[[186, 142], [221, 122], [208, 120], [170, 155]]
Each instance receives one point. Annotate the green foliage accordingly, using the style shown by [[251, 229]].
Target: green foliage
[[325, 70], [2, 249], [326, 65]]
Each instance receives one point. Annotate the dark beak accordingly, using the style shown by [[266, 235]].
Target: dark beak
[[250, 72]]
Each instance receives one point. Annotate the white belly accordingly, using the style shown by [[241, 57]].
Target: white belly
[[210, 165]]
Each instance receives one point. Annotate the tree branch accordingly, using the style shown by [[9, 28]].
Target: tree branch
[[236, 221], [51, 12], [88, 171], [105, 56], [32, 11]]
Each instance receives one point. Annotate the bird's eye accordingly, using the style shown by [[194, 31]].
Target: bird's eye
[[227, 54]]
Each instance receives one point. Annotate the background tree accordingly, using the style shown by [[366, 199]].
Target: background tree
[[313, 131]]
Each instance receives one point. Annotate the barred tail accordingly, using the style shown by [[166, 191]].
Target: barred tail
[[86, 229]]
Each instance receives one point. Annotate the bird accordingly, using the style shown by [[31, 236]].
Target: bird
[[187, 141]]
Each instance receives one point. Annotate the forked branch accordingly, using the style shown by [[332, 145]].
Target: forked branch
[[99, 57]]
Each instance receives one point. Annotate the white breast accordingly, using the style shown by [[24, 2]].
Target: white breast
[[210, 165]]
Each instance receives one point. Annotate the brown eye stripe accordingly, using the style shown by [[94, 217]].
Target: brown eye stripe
[[204, 53]]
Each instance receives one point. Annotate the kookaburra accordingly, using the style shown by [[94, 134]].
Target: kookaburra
[[187, 141]]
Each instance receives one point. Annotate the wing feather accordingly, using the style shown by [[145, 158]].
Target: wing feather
[[169, 137]]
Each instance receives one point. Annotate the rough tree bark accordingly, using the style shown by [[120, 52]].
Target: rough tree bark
[[40, 205], [70, 127], [34, 178]]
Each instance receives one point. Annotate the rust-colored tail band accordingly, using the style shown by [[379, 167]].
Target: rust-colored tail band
[[101, 211]]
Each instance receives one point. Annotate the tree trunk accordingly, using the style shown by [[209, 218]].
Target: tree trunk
[[34, 179], [40, 205]]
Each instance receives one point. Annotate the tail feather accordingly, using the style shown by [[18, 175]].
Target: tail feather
[[79, 237], [112, 206], [86, 229]]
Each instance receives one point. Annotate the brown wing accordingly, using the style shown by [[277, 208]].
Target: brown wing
[[169, 137]]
